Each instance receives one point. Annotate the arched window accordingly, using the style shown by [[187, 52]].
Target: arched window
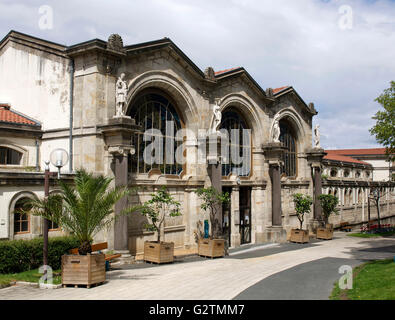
[[346, 173], [155, 111], [287, 138], [240, 142], [333, 173], [10, 156], [21, 216]]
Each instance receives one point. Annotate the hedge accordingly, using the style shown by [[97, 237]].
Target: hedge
[[23, 255]]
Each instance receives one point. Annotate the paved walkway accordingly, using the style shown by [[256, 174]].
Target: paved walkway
[[218, 278]]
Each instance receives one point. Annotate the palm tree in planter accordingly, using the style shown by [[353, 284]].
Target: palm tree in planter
[[302, 206], [83, 209], [328, 204], [212, 199], [160, 206]]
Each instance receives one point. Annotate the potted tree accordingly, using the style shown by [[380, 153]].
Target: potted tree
[[213, 246], [83, 209], [160, 206], [302, 206], [328, 203]]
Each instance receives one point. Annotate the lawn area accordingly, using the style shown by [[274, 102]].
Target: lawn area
[[28, 276], [371, 281], [372, 235]]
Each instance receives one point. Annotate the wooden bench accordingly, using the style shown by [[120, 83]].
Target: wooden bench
[[99, 247], [345, 227]]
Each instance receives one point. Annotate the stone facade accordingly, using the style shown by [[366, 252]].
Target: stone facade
[[83, 123]]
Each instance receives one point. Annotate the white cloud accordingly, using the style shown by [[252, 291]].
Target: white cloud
[[280, 43]]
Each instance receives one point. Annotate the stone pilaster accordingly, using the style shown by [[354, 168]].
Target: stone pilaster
[[235, 218]]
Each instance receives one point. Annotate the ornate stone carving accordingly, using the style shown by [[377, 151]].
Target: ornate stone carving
[[115, 42], [276, 132], [269, 93], [209, 74], [317, 137], [121, 91]]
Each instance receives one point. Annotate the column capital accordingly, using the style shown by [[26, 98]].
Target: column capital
[[274, 152], [315, 156]]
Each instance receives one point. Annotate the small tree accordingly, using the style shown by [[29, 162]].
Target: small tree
[[302, 205], [161, 205], [328, 203], [384, 129], [84, 208], [211, 200]]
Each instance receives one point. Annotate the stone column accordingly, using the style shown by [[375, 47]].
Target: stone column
[[273, 157], [118, 138], [317, 193], [314, 158], [276, 194], [214, 169]]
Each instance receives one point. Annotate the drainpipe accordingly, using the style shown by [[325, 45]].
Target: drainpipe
[[71, 117], [37, 155]]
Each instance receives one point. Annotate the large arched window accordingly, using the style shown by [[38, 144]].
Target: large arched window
[[239, 141], [21, 216], [287, 138], [10, 156], [154, 111]]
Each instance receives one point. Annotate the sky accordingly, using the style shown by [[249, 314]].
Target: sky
[[338, 54]]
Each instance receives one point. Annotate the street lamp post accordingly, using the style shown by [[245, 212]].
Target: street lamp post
[[59, 158]]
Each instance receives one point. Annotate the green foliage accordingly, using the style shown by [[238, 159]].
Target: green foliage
[[84, 208], [22, 255], [324, 176], [302, 205], [384, 129], [211, 200], [161, 205], [328, 203], [374, 280]]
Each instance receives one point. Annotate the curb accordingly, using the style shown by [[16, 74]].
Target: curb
[[37, 285]]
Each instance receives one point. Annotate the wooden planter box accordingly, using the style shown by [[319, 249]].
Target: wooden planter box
[[211, 248], [299, 236], [325, 233], [159, 252], [83, 270]]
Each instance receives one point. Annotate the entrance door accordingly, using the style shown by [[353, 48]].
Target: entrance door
[[226, 216], [245, 215]]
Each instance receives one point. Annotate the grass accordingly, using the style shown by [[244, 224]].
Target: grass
[[371, 281], [28, 276], [372, 235]]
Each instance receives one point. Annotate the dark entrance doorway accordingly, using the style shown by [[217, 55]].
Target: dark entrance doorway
[[245, 215], [226, 216]]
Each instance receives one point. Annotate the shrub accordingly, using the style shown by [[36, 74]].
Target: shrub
[[23, 255]]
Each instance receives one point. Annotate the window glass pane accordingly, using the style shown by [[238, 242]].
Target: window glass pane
[[231, 119], [288, 140], [152, 111]]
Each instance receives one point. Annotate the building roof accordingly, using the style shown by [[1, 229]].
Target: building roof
[[11, 116], [342, 158], [277, 90], [217, 73], [358, 152]]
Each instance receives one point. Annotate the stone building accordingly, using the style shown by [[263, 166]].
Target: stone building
[[97, 99]]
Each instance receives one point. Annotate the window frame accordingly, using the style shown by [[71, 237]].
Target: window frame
[[155, 168]]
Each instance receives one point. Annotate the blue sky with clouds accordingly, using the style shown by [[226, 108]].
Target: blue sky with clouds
[[283, 42]]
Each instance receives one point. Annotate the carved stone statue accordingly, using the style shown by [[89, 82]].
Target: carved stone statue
[[217, 117], [276, 132], [121, 91], [317, 136]]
